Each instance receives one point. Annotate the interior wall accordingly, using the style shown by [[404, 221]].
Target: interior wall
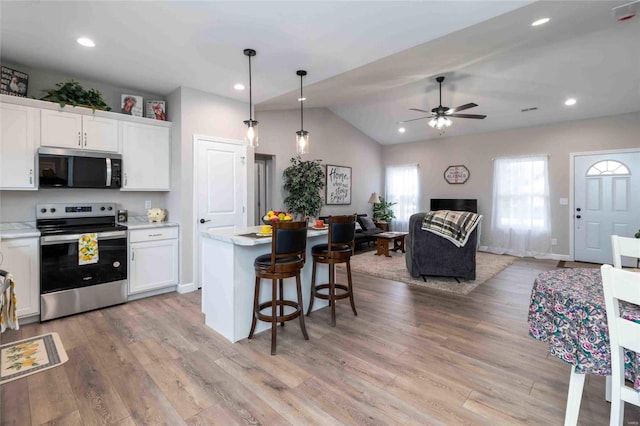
[[200, 113], [332, 140], [477, 152]]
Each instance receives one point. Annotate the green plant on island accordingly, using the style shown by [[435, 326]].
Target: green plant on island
[[638, 234], [382, 211], [303, 180], [73, 93]]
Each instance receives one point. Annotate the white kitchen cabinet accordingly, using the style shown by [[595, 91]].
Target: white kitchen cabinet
[[145, 156], [153, 259], [20, 257], [72, 130], [19, 140]]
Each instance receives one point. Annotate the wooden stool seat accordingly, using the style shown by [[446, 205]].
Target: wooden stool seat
[[287, 257], [338, 250]]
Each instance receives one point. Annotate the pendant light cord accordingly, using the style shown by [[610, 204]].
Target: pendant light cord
[[250, 99], [301, 102]]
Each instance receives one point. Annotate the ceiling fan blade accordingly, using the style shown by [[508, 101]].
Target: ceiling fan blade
[[419, 110], [461, 108], [467, 116], [414, 119]]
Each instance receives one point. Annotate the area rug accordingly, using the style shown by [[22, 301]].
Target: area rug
[[394, 268], [29, 356]]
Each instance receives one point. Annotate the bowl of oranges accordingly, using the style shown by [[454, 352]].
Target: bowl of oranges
[[274, 216]]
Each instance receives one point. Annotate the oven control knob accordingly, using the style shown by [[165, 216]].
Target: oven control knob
[[43, 210], [109, 208], [102, 208], [53, 209]]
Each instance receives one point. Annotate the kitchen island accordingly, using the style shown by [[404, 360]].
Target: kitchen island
[[228, 278]]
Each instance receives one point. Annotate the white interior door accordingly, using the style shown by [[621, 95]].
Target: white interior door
[[607, 202], [220, 187]]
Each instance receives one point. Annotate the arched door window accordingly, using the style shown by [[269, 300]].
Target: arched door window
[[608, 167]]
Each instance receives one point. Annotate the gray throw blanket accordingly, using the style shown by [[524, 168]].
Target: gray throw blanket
[[453, 225]]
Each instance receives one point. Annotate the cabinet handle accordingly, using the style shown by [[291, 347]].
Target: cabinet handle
[[155, 235], [79, 139], [85, 139], [125, 179], [30, 176], [133, 255]]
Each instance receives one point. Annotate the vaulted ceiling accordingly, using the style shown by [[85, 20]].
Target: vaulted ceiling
[[369, 62]]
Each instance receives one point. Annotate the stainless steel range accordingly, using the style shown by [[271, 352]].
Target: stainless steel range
[[83, 258]]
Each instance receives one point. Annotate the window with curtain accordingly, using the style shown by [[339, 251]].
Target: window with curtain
[[401, 186], [521, 218]]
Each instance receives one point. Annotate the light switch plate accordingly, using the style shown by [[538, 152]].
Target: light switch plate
[[147, 204], [564, 201]]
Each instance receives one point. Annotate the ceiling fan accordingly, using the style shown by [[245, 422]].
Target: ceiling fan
[[440, 115]]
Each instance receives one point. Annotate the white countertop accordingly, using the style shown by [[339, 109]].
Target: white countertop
[[142, 222], [10, 230], [237, 235]]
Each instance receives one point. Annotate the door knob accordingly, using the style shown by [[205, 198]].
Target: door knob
[[578, 217], [204, 220]]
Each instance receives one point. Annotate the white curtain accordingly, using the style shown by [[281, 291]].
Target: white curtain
[[520, 224], [401, 186]]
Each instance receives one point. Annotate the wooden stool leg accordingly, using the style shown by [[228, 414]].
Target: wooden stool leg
[[281, 300], [301, 311], [332, 293], [256, 296], [313, 287], [353, 305], [274, 315]]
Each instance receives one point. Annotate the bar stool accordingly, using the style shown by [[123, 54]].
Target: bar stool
[[288, 250], [342, 230]]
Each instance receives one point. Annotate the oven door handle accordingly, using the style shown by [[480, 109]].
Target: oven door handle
[[56, 239]]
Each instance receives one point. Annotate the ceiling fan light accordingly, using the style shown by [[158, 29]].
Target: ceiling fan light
[[447, 121], [433, 122]]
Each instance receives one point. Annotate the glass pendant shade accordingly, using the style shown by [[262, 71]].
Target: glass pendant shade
[[440, 122], [302, 136], [251, 136], [302, 142]]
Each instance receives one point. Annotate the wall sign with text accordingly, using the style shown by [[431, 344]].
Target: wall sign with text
[[456, 174], [338, 185]]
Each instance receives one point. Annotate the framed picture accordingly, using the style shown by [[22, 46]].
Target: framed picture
[[13, 82], [131, 105], [456, 174], [156, 110], [338, 185]]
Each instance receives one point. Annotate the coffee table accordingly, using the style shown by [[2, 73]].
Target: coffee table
[[384, 239]]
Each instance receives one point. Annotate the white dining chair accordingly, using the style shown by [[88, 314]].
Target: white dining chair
[[624, 246], [619, 285]]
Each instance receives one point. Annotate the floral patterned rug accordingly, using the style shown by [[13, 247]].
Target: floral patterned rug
[[29, 356], [394, 268]]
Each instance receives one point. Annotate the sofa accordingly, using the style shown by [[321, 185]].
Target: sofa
[[428, 254], [366, 230]]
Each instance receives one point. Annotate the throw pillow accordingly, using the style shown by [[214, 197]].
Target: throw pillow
[[367, 223], [358, 227]]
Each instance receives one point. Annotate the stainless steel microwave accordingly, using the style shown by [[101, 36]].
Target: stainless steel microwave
[[70, 168]]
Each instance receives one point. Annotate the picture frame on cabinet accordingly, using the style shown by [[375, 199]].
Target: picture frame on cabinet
[[156, 110], [13, 82], [131, 105]]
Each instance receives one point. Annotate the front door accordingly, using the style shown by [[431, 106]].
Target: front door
[[607, 202], [221, 185]]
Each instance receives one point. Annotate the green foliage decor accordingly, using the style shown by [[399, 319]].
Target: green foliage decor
[[638, 234], [382, 211], [74, 94], [303, 180]]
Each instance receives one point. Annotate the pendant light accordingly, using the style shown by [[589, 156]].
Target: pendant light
[[302, 136], [252, 125]]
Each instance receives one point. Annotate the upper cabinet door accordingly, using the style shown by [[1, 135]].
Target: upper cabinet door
[[61, 129], [19, 139], [70, 130], [99, 134], [145, 157]]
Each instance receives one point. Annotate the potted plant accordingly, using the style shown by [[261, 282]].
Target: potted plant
[[638, 234], [303, 180], [382, 211], [73, 93]]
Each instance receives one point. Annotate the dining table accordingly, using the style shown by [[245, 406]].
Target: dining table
[[567, 311]]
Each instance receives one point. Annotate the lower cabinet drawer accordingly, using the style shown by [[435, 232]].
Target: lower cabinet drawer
[[152, 234]]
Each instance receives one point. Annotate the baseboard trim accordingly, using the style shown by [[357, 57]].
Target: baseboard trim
[[186, 288]]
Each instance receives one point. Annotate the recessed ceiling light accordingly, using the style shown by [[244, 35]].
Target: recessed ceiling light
[[401, 129], [86, 42], [238, 86], [302, 99], [570, 101], [540, 21]]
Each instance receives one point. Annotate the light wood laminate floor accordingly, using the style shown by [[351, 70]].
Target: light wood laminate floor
[[411, 356]]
